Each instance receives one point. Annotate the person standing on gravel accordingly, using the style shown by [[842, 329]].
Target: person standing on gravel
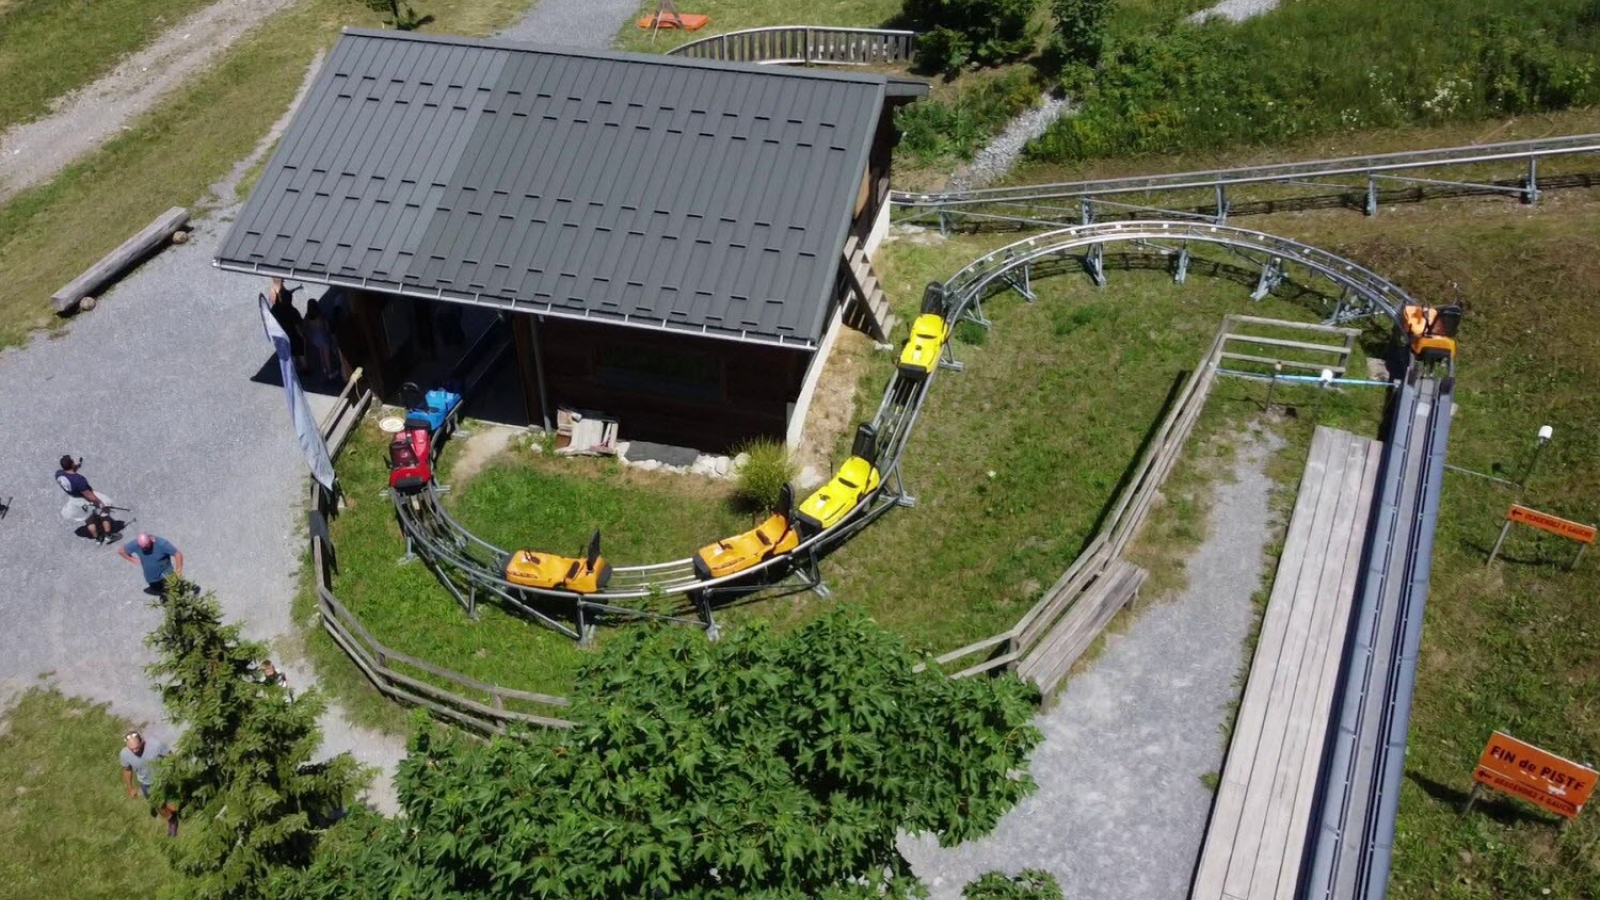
[[157, 557], [84, 504]]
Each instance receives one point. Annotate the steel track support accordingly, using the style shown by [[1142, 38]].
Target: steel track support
[[1372, 196], [702, 602], [947, 358], [1022, 285], [973, 312], [901, 497], [1271, 277], [1222, 205], [1096, 261], [586, 626], [411, 554], [1181, 273], [1085, 211], [1530, 192]]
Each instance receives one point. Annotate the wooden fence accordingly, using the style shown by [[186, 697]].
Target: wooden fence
[[805, 45], [487, 708], [1014, 646]]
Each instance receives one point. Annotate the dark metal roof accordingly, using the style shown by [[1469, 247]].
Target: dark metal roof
[[646, 190]]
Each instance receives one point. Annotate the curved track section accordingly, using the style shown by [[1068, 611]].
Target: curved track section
[[474, 569]]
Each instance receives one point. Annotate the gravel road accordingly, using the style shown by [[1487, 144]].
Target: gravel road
[[573, 23], [86, 118], [1121, 810]]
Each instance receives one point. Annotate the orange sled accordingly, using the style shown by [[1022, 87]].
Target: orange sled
[[686, 21]]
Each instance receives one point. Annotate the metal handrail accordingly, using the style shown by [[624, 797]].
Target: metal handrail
[[1210, 179], [804, 44]]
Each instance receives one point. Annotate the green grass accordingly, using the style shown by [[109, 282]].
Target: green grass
[[172, 155], [50, 47], [69, 828], [522, 500], [735, 15], [1388, 64]]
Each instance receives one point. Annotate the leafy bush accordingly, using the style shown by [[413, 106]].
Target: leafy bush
[[957, 32], [933, 130], [1079, 31], [761, 479], [1216, 85], [1032, 884], [774, 765]]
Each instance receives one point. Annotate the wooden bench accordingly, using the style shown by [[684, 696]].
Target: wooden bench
[[1052, 658], [112, 264], [1255, 842]]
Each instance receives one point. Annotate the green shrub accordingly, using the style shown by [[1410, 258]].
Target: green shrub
[[1032, 884], [933, 130], [1216, 85], [1080, 30], [957, 32], [761, 479]]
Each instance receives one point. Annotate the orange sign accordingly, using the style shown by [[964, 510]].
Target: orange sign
[[1577, 531], [1559, 785]]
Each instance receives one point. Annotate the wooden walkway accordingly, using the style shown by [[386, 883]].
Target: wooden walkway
[[1256, 840]]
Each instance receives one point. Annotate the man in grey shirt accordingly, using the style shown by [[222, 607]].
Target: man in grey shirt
[[138, 762]]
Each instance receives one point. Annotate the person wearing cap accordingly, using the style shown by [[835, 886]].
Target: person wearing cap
[[84, 505], [157, 557], [138, 763]]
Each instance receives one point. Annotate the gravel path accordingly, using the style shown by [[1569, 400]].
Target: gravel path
[[573, 23], [996, 159], [1120, 809], [1235, 10], [86, 118]]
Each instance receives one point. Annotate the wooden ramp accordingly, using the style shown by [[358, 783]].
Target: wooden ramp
[[1257, 836]]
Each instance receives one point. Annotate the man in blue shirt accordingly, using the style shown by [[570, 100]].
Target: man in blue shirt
[[84, 505], [157, 557]]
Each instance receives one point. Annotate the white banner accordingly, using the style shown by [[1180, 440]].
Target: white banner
[[305, 424]]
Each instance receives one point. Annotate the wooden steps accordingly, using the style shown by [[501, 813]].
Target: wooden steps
[[1255, 842], [868, 306], [1049, 662]]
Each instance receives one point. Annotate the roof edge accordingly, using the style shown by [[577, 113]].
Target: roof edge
[[622, 56], [743, 337]]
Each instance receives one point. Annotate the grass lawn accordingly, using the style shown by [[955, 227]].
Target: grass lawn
[[69, 828], [50, 47], [172, 155]]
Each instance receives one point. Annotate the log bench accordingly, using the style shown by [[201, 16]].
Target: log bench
[[119, 260]]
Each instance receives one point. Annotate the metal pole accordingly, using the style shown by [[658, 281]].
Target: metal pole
[[1497, 542], [1272, 386], [1575, 560], [1545, 433], [1531, 194]]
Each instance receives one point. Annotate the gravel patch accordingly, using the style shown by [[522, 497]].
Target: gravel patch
[[88, 117], [1121, 810], [591, 24], [996, 159], [1235, 10]]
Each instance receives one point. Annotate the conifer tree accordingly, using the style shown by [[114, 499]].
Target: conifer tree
[[250, 800]]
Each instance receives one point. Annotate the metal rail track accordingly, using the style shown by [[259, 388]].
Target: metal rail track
[[1353, 840], [1088, 200], [472, 568]]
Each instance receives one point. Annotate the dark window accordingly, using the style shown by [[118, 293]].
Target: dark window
[[660, 371]]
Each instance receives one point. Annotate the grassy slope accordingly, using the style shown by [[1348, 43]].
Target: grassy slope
[[50, 47], [171, 156], [68, 827]]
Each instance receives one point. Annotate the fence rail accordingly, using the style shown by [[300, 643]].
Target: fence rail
[[483, 707], [805, 45]]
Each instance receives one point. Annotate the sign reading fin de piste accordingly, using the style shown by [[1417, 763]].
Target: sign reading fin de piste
[[1559, 785]]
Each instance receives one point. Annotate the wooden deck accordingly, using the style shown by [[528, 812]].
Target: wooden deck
[[1257, 835]]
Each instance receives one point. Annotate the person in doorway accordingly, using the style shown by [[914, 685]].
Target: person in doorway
[[157, 557], [84, 505], [280, 299], [319, 342], [138, 763]]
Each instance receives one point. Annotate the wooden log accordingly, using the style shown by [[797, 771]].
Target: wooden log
[[114, 263]]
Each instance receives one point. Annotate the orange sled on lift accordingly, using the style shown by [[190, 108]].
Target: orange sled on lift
[[531, 568], [774, 537], [1431, 331]]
